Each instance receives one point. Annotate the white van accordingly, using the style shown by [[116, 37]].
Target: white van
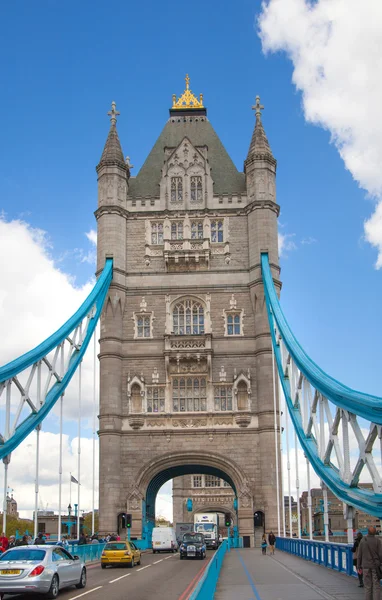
[[164, 539]]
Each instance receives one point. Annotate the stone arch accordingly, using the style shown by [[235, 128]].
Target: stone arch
[[242, 392]]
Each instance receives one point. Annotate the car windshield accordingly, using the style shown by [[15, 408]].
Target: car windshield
[[189, 537], [23, 554], [121, 546], [204, 527]]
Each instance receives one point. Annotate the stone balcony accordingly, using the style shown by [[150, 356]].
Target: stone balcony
[[188, 353], [186, 251]]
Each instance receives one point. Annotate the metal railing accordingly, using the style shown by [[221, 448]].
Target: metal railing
[[329, 554], [87, 552], [206, 587]]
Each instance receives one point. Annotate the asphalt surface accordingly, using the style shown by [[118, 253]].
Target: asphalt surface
[[159, 576]]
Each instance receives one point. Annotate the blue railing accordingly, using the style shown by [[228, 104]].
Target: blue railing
[[87, 552], [206, 587], [329, 554]]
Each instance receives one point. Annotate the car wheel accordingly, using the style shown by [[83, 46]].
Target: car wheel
[[54, 586], [82, 582], [154, 551], [103, 566], [139, 561], [131, 564]]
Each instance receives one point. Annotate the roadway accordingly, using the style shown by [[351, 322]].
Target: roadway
[[160, 576]]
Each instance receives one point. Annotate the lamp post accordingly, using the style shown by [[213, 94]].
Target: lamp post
[[69, 519]]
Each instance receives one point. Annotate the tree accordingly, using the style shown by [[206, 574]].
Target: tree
[[88, 522], [14, 524]]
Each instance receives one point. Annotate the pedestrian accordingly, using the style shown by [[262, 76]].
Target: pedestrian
[[369, 561], [23, 541], [4, 541], [12, 541], [356, 544], [271, 541], [82, 539], [264, 544], [39, 540]]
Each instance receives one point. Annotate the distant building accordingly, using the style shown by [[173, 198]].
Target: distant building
[[47, 522]]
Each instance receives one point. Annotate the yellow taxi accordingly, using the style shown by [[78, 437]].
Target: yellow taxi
[[120, 553]]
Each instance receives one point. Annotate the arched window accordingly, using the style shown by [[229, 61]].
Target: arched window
[[196, 188], [136, 399], [242, 396], [176, 189], [217, 231], [188, 318]]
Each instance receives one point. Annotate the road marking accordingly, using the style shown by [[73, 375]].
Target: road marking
[[157, 561], [118, 578], [88, 592], [168, 557], [141, 569]]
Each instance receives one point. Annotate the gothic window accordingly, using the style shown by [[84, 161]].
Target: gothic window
[[143, 326], [188, 318], [136, 399], [155, 399], [197, 481], [217, 231], [176, 189], [157, 233], [196, 188], [196, 230], [177, 230], [242, 396], [226, 484], [234, 323], [212, 481], [223, 397], [189, 394]]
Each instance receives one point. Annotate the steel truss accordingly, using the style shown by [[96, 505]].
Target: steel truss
[[339, 429], [31, 385]]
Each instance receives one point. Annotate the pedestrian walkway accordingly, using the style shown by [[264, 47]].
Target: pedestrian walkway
[[248, 575]]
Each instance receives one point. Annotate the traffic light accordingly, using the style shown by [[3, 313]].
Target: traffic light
[[123, 521], [227, 519], [129, 520]]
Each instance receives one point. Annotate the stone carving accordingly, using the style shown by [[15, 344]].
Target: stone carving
[[232, 302], [155, 375], [155, 423], [223, 421], [243, 419], [134, 500], [223, 375], [188, 344], [196, 367], [135, 421], [143, 305], [189, 423]]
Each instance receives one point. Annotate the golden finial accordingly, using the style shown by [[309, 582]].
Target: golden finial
[[187, 99]]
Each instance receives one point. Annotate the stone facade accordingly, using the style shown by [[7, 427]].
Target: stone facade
[[186, 383]]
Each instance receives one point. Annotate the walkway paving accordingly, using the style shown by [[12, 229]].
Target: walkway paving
[[247, 575]]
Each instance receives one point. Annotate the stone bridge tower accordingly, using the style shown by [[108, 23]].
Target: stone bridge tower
[[185, 362]]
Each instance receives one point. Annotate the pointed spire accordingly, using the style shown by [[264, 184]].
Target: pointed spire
[[259, 146], [112, 152]]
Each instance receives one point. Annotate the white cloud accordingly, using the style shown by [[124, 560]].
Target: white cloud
[[286, 243], [92, 236], [21, 473], [336, 53]]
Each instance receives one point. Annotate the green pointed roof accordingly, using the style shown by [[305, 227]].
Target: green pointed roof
[[227, 179]]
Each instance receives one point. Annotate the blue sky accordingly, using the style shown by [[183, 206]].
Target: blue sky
[[63, 64]]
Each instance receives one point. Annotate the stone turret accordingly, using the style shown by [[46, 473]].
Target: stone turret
[[260, 171]]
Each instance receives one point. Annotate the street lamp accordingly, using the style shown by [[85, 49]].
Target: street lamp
[[70, 518]]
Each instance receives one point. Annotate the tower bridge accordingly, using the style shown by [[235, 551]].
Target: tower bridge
[[196, 356]]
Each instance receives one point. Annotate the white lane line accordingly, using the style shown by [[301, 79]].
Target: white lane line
[[88, 592], [168, 557], [141, 569], [157, 561], [118, 578]]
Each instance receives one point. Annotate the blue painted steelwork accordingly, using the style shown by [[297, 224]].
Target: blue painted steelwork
[[206, 587], [95, 299], [333, 556], [369, 407], [365, 405], [88, 552]]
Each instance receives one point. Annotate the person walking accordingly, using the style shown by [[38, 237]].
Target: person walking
[[264, 544], [271, 541], [39, 540], [4, 541], [369, 561], [356, 544]]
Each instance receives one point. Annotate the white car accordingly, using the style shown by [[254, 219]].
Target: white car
[[40, 570], [164, 540]]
